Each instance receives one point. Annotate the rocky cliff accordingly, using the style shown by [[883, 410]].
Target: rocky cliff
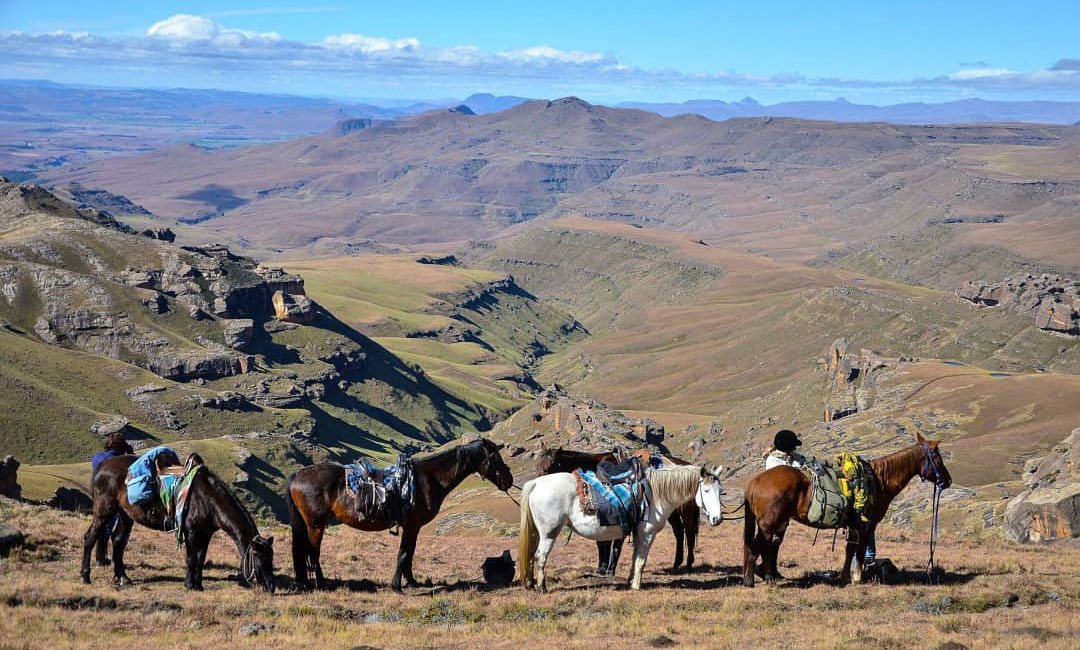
[[1049, 509], [1053, 301]]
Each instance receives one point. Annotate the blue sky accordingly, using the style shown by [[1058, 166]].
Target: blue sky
[[870, 52]]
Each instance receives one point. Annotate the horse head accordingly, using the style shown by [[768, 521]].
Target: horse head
[[545, 462], [492, 467], [257, 566], [933, 466], [708, 495]]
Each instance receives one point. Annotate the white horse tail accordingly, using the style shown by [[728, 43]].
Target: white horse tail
[[529, 538]]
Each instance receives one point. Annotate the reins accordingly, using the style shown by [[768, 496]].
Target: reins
[[929, 465]]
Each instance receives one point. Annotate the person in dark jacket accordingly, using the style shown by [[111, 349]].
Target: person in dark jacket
[[115, 445]]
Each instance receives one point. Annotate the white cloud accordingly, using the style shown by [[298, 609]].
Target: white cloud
[[979, 73], [186, 27], [545, 54], [194, 43], [370, 44]]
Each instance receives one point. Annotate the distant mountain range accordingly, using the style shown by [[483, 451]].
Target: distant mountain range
[[964, 111], [840, 110]]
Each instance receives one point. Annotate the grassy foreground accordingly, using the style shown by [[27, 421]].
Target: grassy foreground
[[994, 596]]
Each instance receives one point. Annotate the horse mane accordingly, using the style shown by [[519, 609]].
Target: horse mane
[[673, 483], [898, 464], [463, 452]]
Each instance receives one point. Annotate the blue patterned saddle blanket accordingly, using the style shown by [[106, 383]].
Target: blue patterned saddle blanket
[[621, 504]]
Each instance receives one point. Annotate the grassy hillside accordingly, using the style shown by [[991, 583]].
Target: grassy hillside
[[475, 335]]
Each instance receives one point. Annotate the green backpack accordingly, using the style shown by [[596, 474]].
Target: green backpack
[[828, 505]]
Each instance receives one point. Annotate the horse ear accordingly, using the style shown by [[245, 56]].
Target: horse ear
[[919, 438], [704, 471], [270, 540]]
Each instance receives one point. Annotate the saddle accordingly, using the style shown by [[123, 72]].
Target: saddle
[[386, 491], [630, 470], [621, 503]]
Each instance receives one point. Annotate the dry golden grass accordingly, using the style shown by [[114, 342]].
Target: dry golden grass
[[43, 604]]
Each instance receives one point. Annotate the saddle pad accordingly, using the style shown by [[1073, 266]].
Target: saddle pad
[[174, 492], [140, 477], [616, 505], [828, 505]]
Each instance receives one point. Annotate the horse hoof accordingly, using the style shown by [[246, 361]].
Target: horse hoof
[[122, 581], [748, 582], [86, 578]]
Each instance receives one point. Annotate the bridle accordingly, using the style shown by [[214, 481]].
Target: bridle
[[930, 466], [249, 567]]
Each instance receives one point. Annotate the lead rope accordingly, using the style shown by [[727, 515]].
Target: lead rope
[[931, 574]]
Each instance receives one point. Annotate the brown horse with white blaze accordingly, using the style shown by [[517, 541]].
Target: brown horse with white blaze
[[315, 494], [781, 494]]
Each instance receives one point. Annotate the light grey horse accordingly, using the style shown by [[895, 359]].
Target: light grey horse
[[550, 502]]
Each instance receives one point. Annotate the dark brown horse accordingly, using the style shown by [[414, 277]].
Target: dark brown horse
[[783, 493], [317, 493], [684, 522], [211, 506]]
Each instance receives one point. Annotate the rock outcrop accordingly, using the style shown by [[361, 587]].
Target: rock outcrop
[[1050, 508], [10, 539], [586, 421], [238, 332], [9, 478], [70, 499], [292, 308], [851, 379], [1053, 301]]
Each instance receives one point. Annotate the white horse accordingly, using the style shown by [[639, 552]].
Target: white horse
[[550, 502]]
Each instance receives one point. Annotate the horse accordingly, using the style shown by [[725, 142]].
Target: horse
[[316, 493], [211, 506], [783, 493], [550, 502], [684, 522]]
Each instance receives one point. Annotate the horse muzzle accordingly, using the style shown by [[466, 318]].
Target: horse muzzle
[[716, 520]]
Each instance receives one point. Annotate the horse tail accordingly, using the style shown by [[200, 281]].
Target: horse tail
[[749, 523], [301, 544], [529, 538]]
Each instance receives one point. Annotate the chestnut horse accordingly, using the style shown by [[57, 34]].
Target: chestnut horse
[[315, 494], [684, 522], [211, 506], [783, 493]]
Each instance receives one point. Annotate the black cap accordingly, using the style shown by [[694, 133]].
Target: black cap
[[786, 440]]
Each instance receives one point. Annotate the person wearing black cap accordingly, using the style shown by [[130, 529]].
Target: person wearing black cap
[[783, 451]]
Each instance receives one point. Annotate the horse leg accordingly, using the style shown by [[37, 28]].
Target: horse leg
[[101, 549], [94, 533], [404, 560], [772, 551], [860, 554], [642, 543], [691, 525], [845, 573], [121, 535], [677, 528], [543, 549], [197, 543], [616, 553], [603, 551], [749, 535], [315, 536]]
